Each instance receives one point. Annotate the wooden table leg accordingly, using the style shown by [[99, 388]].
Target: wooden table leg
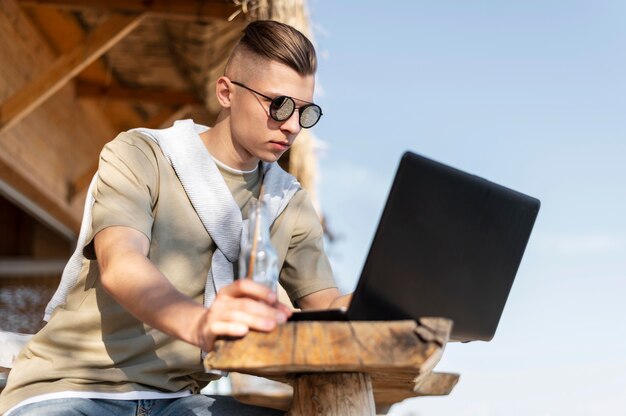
[[341, 394]]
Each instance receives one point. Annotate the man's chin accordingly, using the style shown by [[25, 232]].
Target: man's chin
[[271, 157]]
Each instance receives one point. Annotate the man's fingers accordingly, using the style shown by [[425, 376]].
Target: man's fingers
[[257, 308], [251, 312], [254, 322], [251, 289], [229, 329], [284, 309]]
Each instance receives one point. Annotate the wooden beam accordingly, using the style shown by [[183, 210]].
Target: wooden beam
[[30, 267], [112, 92], [159, 121], [67, 66], [198, 10], [81, 183], [162, 119], [30, 198], [119, 115], [387, 389]]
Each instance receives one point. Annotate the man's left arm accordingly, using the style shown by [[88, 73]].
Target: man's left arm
[[325, 299], [306, 273]]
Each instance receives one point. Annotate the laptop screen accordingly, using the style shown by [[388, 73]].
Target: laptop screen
[[448, 244]]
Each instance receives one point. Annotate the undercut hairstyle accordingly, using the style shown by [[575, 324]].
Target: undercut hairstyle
[[277, 42]]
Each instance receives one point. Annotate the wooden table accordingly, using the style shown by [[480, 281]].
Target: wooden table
[[343, 368]]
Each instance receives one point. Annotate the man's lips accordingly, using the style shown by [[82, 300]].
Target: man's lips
[[280, 145]]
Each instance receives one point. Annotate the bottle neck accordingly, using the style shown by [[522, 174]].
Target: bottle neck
[[258, 226]]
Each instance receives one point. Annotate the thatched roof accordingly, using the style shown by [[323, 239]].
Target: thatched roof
[[75, 73]]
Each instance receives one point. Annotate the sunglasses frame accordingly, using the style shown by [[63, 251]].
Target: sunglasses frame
[[273, 104]]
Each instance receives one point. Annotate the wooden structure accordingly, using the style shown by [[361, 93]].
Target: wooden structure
[[341, 368], [73, 74]]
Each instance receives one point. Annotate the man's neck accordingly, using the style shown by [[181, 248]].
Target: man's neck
[[219, 143]]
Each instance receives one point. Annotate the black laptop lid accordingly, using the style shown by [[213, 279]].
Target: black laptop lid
[[448, 244]]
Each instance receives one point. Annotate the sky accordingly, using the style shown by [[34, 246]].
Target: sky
[[531, 95]]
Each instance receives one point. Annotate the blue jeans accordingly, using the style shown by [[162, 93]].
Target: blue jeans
[[195, 404]]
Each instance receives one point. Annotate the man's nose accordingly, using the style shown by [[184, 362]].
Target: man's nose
[[292, 124]]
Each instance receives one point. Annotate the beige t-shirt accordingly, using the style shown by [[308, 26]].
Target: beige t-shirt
[[92, 343]]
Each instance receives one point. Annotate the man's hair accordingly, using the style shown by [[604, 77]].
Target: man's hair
[[278, 42]]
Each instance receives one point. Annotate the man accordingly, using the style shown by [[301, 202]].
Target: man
[[160, 229]]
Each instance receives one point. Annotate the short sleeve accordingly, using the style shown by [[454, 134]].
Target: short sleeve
[[306, 268], [126, 189]]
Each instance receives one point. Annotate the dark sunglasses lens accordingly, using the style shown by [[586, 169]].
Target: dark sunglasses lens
[[310, 115], [282, 108]]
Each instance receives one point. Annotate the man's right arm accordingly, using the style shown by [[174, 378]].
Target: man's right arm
[[133, 281]]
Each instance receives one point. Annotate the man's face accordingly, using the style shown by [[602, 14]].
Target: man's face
[[254, 133]]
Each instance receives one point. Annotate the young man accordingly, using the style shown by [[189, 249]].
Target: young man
[[151, 284]]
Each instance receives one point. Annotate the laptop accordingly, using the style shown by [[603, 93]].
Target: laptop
[[448, 244]]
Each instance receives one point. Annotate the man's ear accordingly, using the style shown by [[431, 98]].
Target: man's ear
[[222, 91]]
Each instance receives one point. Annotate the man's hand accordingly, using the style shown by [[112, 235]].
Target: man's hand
[[135, 283], [238, 308]]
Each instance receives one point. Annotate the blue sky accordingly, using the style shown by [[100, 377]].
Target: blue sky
[[531, 95]]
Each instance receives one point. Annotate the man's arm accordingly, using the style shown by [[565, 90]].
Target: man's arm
[[325, 299], [133, 281]]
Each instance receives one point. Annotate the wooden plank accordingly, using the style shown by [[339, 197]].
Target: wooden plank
[[259, 391], [26, 32], [76, 187], [34, 182], [160, 120], [29, 97], [186, 9], [13, 267], [113, 92], [15, 53], [388, 389], [437, 384], [295, 347], [63, 32], [114, 116], [27, 195]]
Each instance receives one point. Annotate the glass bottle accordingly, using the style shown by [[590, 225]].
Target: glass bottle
[[258, 259]]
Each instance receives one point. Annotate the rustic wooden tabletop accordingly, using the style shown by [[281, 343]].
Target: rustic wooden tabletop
[[342, 368]]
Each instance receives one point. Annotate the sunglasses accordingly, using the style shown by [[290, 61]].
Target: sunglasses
[[282, 107]]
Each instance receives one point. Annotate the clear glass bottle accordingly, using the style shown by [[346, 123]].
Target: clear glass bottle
[[258, 259]]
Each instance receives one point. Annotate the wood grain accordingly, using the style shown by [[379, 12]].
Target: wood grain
[[368, 346], [396, 356], [67, 66], [196, 10], [346, 394]]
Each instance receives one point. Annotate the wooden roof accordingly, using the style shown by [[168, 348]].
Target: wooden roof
[[76, 73]]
